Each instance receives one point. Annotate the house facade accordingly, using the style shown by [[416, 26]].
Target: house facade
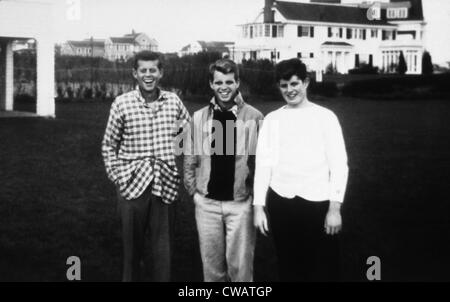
[[113, 48], [85, 48], [337, 35], [123, 48], [225, 48]]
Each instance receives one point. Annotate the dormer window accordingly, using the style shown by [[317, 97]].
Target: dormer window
[[397, 13]]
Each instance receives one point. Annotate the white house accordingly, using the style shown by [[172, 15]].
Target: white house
[[338, 34], [25, 20], [123, 48], [86, 48]]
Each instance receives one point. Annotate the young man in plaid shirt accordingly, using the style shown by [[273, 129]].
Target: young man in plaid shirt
[[139, 154]]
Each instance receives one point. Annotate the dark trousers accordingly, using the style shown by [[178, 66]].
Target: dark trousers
[[304, 251], [136, 215]]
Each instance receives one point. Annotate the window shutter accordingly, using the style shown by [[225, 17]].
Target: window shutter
[[312, 31], [299, 31]]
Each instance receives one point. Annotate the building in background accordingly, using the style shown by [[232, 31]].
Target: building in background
[[86, 48], [337, 35], [113, 48], [224, 48], [123, 48]]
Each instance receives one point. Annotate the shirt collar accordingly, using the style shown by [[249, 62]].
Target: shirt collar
[[161, 95], [238, 103]]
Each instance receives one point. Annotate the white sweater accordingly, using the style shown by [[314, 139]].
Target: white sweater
[[301, 152]]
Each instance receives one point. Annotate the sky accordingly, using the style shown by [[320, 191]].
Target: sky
[[175, 23]]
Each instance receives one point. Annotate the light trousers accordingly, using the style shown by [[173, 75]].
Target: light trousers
[[227, 239]]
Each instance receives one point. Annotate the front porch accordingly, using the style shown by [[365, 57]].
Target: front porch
[[24, 20]]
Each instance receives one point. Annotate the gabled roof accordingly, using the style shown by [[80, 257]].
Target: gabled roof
[[88, 43], [131, 39], [123, 40], [338, 13]]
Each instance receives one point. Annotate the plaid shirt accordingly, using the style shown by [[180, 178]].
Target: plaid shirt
[[138, 146]]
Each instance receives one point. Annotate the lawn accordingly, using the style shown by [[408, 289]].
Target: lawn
[[56, 202]]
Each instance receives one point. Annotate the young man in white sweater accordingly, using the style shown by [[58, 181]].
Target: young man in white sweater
[[301, 170]]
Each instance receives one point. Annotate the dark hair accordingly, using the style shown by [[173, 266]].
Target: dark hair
[[146, 55], [225, 66], [288, 68]]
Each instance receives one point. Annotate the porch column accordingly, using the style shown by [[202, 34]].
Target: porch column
[[7, 76], [45, 78], [333, 60]]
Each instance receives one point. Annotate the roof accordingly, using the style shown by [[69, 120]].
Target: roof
[[131, 39], [338, 13], [416, 11], [123, 40], [88, 43], [337, 44]]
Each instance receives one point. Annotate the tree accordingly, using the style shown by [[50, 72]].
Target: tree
[[427, 65], [402, 68]]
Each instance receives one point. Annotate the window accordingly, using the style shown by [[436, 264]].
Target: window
[[280, 31], [374, 33], [330, 32], [403, 13], [299, 55], [305, 31], [267, 30], [260, 30], [394, 35], [363, 33], [397, 13], [251, 32], [311, 55], [349, 33], [390, 13]]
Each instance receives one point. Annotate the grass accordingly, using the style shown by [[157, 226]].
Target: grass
[[55, 199]]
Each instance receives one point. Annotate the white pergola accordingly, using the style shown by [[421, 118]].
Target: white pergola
[[25, 19]]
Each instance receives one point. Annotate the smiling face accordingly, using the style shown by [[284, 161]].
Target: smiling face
[[148, 75], [294, 90], [225, 87]]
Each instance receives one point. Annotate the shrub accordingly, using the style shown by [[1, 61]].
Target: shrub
[[402, 68], [427, 65], [328, 89], [364, 69], [400, 87]]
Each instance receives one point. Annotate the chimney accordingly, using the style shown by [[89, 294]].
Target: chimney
[[268, 13]]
